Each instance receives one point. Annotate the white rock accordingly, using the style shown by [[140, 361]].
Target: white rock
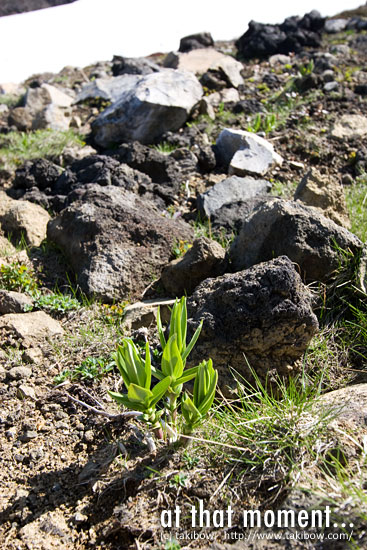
[[350, 127], [109, 89], [335, 25], [246, 153]]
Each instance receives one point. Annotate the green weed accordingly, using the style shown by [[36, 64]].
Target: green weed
[[92, 368], [17, 147]]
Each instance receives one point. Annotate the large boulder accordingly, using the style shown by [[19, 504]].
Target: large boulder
[[259, 318], [279, 227], [157, 103], [206, 258], [246, 153], [117, 242], [293, 35]]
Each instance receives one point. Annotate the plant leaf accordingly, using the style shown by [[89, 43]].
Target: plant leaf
[[123, 400], [192, 342], [160, 329], [138, 394], [148, 367], [172, 364], [160, 389]]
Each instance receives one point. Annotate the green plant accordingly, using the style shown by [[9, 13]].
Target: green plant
[[10, 100], [271, 429], [172, 544], [178, 480], [305, 70], [190, 461], [262, 122], [17, 276], [180, 248], [164, 147], [17, 147], [90, 369], [137, 373], [56, 302]]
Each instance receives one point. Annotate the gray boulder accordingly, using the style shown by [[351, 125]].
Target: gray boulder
[[117, 242], [279, 227], [233, 189], [246, 153], [156, 103], [260, 317], [333, 26], [206, 258], [110, 88]]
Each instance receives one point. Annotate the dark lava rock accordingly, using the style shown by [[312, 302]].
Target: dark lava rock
[[293, 35], [116, 242], [132, 65], [39, 173], [100, 169], [248, 106], [259, 318], [196, 41], [278, 227]]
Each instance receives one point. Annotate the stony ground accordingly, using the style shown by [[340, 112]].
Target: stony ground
[[72, 478]]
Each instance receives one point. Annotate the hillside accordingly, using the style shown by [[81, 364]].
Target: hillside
[[183, 295]]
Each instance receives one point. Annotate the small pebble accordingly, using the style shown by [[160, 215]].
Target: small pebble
[[28, 436], [25, 392], [18, 373], [11, 433], [89, 436]]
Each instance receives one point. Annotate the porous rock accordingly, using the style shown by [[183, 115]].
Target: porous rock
[[293, 35], [23, 218], [325, 194], [157, 103], [277, 227], [195, 41], [206, 258], [116, 241], [260, 317]]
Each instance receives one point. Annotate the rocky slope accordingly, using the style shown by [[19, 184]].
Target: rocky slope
[[234, 173]]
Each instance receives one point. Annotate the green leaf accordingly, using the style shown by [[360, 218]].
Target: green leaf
[[189, 411], [160, 329], [123, 400], [138, 394], [172, 364], [187, 375], [160, 389], [157, 373], [192, 342], [148, 367]]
